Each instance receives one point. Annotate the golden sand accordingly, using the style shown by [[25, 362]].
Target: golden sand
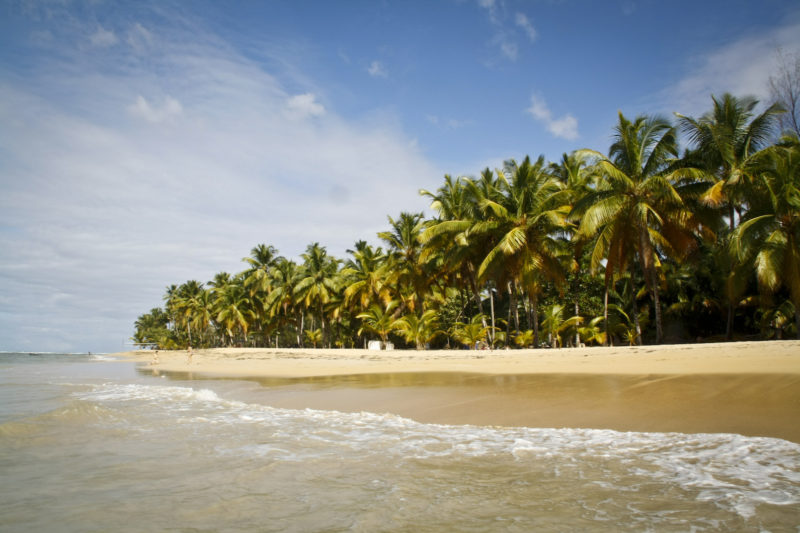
[[751, 388]]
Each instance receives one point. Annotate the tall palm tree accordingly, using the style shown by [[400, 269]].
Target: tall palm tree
[[364, 276], [282, 300], [772, 235], [724, 141], [636, 210], [523, 225], [448, 236], [408, 273], [317, 283], [262, 259], [234, 310]]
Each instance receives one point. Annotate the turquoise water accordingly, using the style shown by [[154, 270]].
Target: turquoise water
[[90, 444]]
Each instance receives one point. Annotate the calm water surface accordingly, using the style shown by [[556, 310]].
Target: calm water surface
[[89, 444]]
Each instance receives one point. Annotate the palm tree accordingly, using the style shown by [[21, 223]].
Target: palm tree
[[317, 283], [771, 236], [407, 273], [724, 142], [447, 238], [554, 323], [523, 225], [725, 139], [262, 259], [282, 300], [470, 333], [636, 210], [379, 321], [420, 329], [365, 276], [234, 310]]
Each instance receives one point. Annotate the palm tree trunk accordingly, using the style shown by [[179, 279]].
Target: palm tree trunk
[[491, 307], [300, 331], [508, 321], [797, 319], [535, 312], [515, 304], [657, 304], [636, 322], [577, 333], [605, 312], [475, 292]]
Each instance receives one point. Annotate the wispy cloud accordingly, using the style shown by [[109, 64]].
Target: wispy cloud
[[564, 127], [377, 69], [522, 21], [305, 105], [168, 109], [741, 67], [103, 37], [505, 37], [167, 159]]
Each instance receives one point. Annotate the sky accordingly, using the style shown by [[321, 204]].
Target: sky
[[152, 142]]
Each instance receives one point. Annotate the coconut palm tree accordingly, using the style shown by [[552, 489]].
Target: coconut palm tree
[[470, 333], [448, 237], [419, 329], [317, 283], [523, 225], [282, 300], [408, 273], [234, 310], [636, 212], [379, 320], [364, 277], [771, 235], [724, 141]]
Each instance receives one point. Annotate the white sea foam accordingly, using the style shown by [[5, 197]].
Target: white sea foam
[[734, 471]]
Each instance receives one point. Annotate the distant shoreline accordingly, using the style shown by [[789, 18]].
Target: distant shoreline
[[774, 357]]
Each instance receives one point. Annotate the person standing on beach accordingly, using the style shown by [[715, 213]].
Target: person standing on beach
[[189, 356], [155, 359]]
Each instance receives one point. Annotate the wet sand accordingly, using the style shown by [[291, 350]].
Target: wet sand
[[746, 388]]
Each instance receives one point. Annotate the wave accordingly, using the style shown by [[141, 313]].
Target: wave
[[733, 470]]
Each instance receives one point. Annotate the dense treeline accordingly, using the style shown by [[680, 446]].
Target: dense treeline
[[642, 244]]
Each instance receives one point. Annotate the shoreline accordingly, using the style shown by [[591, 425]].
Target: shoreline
[[772, 357], [748, 388]]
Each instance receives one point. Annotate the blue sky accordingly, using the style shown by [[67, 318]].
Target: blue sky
[[148, 143]]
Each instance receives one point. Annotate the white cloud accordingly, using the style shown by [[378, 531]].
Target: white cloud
[[505, 36], [565, 127], [100, 213], [143, 109], [305, 105], [103, 37], [509, 49], [376, 69], [522, 21], [140, 38], [741, 67]]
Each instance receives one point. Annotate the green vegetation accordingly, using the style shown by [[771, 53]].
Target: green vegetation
[[639, 245]]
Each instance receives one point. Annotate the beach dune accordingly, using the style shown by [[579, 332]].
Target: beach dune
[[750, 388]]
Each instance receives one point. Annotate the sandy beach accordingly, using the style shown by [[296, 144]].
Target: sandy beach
[[750, 388]]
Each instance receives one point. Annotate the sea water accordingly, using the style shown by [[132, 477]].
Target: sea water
[[90, 444]]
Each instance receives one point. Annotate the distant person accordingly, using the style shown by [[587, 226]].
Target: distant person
[[189, 356], [155, 359]]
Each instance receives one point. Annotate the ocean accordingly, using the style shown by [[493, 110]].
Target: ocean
[[89, 443]]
